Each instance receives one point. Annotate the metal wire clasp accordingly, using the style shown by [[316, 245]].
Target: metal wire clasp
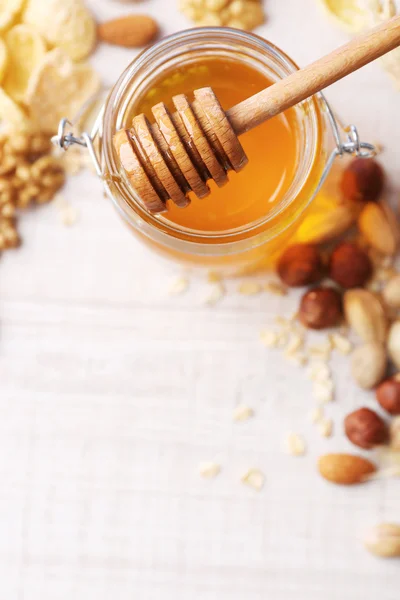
[[65, 138], [351, 144]]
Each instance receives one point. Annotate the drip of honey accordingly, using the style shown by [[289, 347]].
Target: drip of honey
[[272, 148]]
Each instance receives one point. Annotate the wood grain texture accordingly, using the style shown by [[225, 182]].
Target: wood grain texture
[[111, 392], [325, 71]]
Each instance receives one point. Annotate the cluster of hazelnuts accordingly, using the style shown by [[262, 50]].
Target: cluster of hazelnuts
[[348, 266]]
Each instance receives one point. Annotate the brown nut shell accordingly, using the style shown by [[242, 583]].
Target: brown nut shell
[[350, 266], [321, 308], [365, 428], [388, 395], [362, 180], [300, 265]]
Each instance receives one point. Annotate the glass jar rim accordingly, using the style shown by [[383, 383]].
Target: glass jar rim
[[116, 105]]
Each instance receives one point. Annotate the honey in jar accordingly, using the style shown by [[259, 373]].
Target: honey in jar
[[271, 148], [244, 225]]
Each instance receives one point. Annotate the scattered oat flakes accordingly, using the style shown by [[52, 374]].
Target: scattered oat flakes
[[325, 427], [341, 343], [69, 215], [276, 288], [295, 444], [179, 286], [299, 359], [242, 412], [254, 478], [319, 371], [295, 344], [216, 293], [322, 350], [323, 391], [269, 338], [316, 415], [209, 470], [249, 288]]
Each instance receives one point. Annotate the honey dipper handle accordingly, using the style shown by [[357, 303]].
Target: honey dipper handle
[[315, 77]]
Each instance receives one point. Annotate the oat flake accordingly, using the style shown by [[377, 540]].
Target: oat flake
[[295, 444], [209, 470], [325, 427], [254, 478], [242, 412], [179, 286]]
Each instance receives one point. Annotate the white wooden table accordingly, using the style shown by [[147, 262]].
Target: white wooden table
[[112, 393]]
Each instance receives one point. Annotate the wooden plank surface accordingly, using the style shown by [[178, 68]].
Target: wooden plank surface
[[112, 392]]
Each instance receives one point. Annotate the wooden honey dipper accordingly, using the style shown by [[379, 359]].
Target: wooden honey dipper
[[181, 151]]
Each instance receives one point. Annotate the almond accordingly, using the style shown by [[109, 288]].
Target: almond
[[369, 364], [325, 226], [384, 540], [131, 31], [365, 315], [394, 343], [374, 225], [345, 469], [391, 292]]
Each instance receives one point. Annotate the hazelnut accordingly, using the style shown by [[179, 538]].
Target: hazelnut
[[362, 180], [350, 266], [365, 428], [388, 395], [299, 265], [320, 308]]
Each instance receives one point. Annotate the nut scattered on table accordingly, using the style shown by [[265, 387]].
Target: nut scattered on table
[[384, 540], [345, 469], [365, 428], [394, 343], [350, 266], [300, 265], [365, 315], [388, 395], [362, 180], [391, 292], [321, 308], [129, 31], [29, 175], [376, 229], [369, 364], [395, 434]]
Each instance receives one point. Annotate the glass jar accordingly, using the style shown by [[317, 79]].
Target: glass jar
[[237, 249]]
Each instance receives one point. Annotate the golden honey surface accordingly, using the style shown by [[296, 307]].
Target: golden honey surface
[[272, 148]]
